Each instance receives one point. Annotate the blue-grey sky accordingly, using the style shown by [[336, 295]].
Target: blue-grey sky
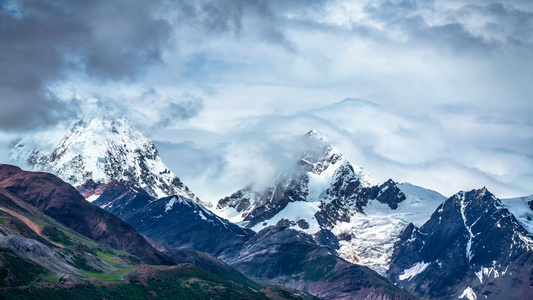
[[440, 90]]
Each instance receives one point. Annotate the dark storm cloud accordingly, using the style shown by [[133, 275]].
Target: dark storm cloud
[[259, 18], [481, 28], [44, 41]]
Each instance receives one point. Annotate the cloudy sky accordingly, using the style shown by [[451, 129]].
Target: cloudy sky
[[436, 93]]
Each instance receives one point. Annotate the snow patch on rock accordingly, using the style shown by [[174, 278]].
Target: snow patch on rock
[[93, 198], [293, 212], [170, 204], [469, 294], [414, 270]]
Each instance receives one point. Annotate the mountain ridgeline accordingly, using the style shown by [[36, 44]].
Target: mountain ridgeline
[[471, 246], [327, 227], [55, 244], [276, 257]]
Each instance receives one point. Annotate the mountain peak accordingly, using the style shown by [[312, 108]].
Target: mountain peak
[[317, 154], [480, 197], [313, 142], [313, 136], [467, 234], [311, 132], [102, 149]]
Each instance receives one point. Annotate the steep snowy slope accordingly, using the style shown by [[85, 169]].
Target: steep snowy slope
[[101, 149], [175, 221], [317, 168], [338, 203], [471, 247], [522, 209], [368, 237]]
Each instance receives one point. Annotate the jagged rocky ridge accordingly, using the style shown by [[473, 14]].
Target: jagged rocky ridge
[[471, 247], [338, 203], [99, 150], [175, 221]]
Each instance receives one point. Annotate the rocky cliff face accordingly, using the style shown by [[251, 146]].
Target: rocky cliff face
[[336, 202], [100, 150], [471, 247]]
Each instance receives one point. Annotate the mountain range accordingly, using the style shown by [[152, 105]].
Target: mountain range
[[95, 255], [325, 226]]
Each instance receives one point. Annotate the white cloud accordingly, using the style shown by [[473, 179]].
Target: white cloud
[[388, 144], [236, 81]]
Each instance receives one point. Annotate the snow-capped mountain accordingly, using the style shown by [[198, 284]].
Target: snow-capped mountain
[[175, 221], [102, 149], [317, 168], [472, 247], [338, 203], [276, 254]]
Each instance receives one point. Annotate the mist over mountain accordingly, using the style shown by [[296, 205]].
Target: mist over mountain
[[323, 224], [376, 150]]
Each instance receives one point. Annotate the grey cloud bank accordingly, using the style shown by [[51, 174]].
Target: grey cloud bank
[[448, 83], [43, 42]]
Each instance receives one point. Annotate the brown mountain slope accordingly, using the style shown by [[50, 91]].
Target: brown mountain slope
[[61, 201]]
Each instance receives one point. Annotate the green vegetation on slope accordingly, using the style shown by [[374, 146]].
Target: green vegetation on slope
[[17, 271], [181, 282]]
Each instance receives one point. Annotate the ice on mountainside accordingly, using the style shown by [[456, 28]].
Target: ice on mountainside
[[375, 230], [329, 193], [413, 271], [103, 149], [521, 208], [296, 211]]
